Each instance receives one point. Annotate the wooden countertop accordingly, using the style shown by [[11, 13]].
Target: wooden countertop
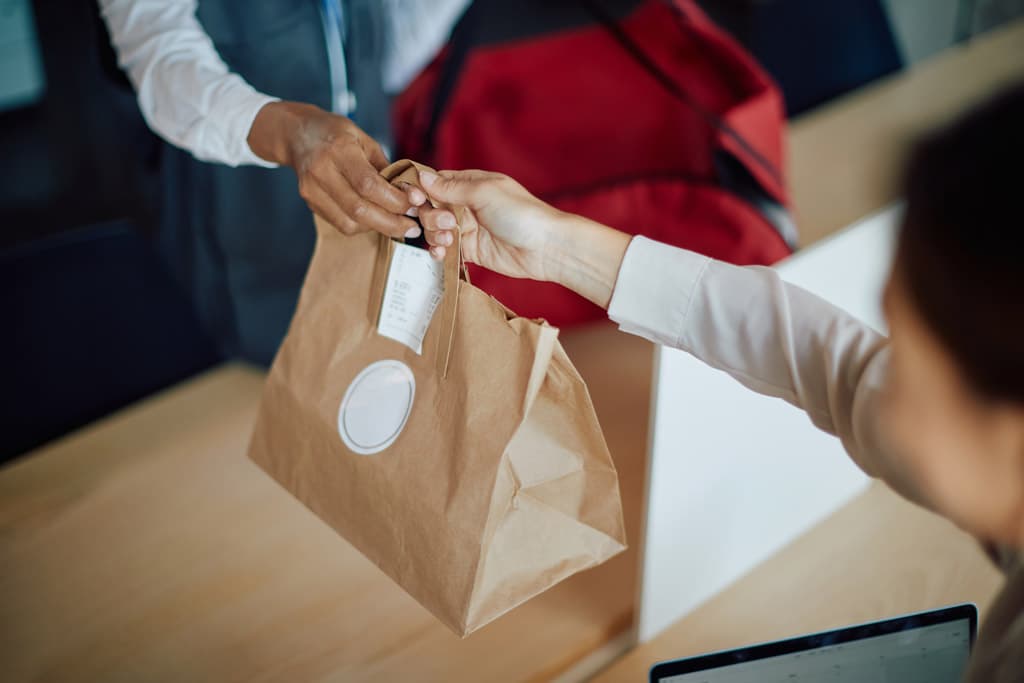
[[147, 547]]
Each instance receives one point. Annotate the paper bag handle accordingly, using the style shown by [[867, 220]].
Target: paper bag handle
[[454, 272]]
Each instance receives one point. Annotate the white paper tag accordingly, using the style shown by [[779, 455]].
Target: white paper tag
[[414, 287]]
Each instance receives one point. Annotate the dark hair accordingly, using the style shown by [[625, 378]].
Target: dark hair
[[961, 248]]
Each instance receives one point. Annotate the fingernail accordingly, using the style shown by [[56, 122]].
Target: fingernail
[[412, 232], [412, 211], [446, 220], [445, 238], [417, 197], [427, 178]]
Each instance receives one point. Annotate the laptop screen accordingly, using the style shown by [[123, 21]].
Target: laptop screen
[[926, 648]]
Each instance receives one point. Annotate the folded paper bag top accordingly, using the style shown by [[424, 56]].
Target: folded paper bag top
[[458, 451]]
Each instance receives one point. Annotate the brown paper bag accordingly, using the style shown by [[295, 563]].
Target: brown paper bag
[[474, 474]]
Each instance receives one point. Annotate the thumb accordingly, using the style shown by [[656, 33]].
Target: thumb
[[451, 188]]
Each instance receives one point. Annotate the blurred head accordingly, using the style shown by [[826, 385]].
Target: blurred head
[[955, 305]]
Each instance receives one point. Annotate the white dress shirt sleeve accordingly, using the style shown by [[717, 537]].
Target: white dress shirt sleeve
[[773, 337], [185, 91]]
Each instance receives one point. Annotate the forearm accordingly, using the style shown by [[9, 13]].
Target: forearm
[[272, 134], [585, 257]]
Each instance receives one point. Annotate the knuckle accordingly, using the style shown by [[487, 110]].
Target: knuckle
[[345, 142], [337, 144], [365, 184], [346, 125], [319, 164], [360, 209]]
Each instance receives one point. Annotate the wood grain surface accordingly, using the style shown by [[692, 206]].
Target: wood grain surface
[[147, 547]]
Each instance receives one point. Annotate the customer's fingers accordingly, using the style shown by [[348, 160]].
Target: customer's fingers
[[438, 225], [457, 187], [416, 196]]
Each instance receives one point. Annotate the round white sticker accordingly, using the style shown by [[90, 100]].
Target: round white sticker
[[376, 406]]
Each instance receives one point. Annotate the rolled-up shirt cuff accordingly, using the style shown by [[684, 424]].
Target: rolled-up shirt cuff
[[223, 136], [655, 286], [244, 114]]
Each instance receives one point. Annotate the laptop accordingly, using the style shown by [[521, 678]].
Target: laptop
[[928, 647]]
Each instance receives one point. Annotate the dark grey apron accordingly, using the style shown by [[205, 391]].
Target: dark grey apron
[[240, 239]]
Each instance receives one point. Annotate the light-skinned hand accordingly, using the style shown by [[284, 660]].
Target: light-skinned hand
[[508, 230]]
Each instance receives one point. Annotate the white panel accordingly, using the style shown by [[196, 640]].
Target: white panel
[[735, 476], [923, 27], [21, 71]]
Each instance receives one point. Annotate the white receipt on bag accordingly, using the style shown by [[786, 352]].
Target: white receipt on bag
[[414, 288]]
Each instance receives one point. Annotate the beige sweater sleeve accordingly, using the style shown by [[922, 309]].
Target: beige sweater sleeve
[[773, 337]]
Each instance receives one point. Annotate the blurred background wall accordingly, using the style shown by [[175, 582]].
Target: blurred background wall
[[75, 148]]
